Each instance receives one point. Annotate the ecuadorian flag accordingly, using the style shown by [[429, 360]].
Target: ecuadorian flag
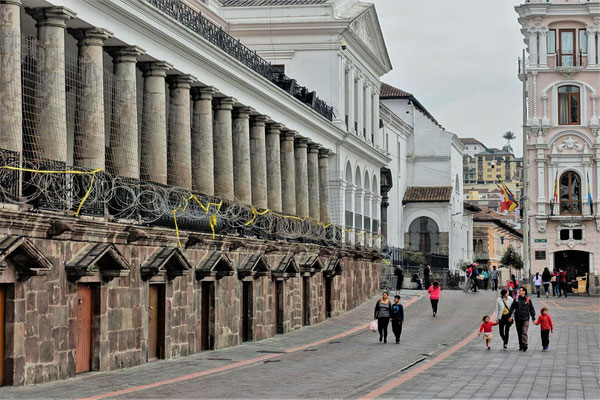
[[508, 203], [590, 202]]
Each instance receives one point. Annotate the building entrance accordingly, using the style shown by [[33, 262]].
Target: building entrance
[[575, 263]]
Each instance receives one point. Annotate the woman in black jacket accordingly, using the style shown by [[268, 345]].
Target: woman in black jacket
[[523, 309], [546, 278], [383, 313]]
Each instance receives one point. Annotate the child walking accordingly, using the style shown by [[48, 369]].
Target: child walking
[[545, 323], [434, 296], [486, 328]]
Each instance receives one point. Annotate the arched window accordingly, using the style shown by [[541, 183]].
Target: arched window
[[569, 109], [423, 235], [570, 193]]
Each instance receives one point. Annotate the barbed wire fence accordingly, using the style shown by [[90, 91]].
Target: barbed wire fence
[[59, 169]]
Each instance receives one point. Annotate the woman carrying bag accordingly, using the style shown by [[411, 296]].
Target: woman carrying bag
[[383, 314], [503, 304]]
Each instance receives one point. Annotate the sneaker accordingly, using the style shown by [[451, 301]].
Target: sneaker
[[384, 340], [434, 314], [380, 339], [397, 341], [505, 346]]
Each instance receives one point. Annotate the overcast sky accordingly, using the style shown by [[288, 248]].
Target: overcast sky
[[459, 58]]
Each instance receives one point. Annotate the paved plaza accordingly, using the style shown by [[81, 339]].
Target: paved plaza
[[340, 358]]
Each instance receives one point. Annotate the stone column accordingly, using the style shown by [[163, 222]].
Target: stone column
[[350, 99], [203, 164], [544, 47], [591, 46], [258, 161], [11, 121], [241, 155], [153, 157], [179, 156], [89, 137], [123, 156], [274, 199], [368, 125], [377, 139], [52, 129], [324, 184], [288, 174], [533, 51], [313, 181], [301, 172], [223, 148], [360, 114]]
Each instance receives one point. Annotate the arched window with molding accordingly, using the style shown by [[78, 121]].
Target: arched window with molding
[[570, 193], [569, 107]]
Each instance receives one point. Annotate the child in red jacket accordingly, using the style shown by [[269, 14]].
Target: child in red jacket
[[545, 323], [486, 328]]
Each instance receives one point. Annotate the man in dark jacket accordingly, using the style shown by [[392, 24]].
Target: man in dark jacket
[[523, 309], [426, 275], [397, 318]]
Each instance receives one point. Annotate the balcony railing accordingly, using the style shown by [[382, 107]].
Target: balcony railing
[[570, 59], [481, 255], [194, 21]]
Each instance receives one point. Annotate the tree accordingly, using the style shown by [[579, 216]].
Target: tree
[[413, 257], [508, 136], [511, 259]]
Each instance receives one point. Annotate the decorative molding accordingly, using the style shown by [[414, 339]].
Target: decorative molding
[[360, 27], [570, 144]]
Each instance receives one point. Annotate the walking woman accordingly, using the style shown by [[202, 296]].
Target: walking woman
[[503, 307], [546, 278], [383, 313], [537, 283], [434, 296], [513, 286], [554, 282]]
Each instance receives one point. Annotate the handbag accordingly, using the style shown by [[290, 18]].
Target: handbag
[[373, 326], [553, 279], [509, 322]]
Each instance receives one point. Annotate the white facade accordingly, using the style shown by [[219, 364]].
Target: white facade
[[409, 133], [341, 39]]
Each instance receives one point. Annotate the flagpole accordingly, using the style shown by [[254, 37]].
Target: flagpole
[[524, 196]]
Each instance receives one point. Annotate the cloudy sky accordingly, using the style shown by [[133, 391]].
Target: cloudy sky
[[459, 58]]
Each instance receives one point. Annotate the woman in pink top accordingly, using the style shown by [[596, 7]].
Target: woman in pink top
[[434, 296]]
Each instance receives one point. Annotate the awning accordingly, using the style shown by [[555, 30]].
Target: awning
[[26, 258], [166, 261], [215, 264], [286, 267], [254, 265], [334, 267], [310, 263], [98, 257]]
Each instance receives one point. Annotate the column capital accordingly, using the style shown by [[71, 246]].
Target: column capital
[[324, 153], [260, 120], [155, 68], [288, 135], [181, 81], [301, 142], [313, 147], [51, 16], [90, 36], [275, 128], [225, 103], [243, 112], [203, 93], [124, 53]]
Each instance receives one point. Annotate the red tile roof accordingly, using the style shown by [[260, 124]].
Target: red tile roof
[[388, 92], [470, 140], [427, 194]]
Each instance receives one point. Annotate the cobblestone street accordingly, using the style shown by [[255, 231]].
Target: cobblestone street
[[341, 358]]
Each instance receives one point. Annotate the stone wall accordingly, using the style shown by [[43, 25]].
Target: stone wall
[[41, 324]]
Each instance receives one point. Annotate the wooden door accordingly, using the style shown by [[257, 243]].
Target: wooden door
[[247, 311], [207, 316], [567, 47], [278, 285], [306, 300], [328, 297], [2, 324], [156, 324], [84, 328]]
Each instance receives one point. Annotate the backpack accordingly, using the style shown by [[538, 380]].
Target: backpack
[[475, 272]]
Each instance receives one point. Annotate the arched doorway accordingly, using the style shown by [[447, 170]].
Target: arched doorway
[[424, 236], [574, 262]]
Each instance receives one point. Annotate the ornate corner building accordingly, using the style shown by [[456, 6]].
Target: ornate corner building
[[563, 76], [164, 190]]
